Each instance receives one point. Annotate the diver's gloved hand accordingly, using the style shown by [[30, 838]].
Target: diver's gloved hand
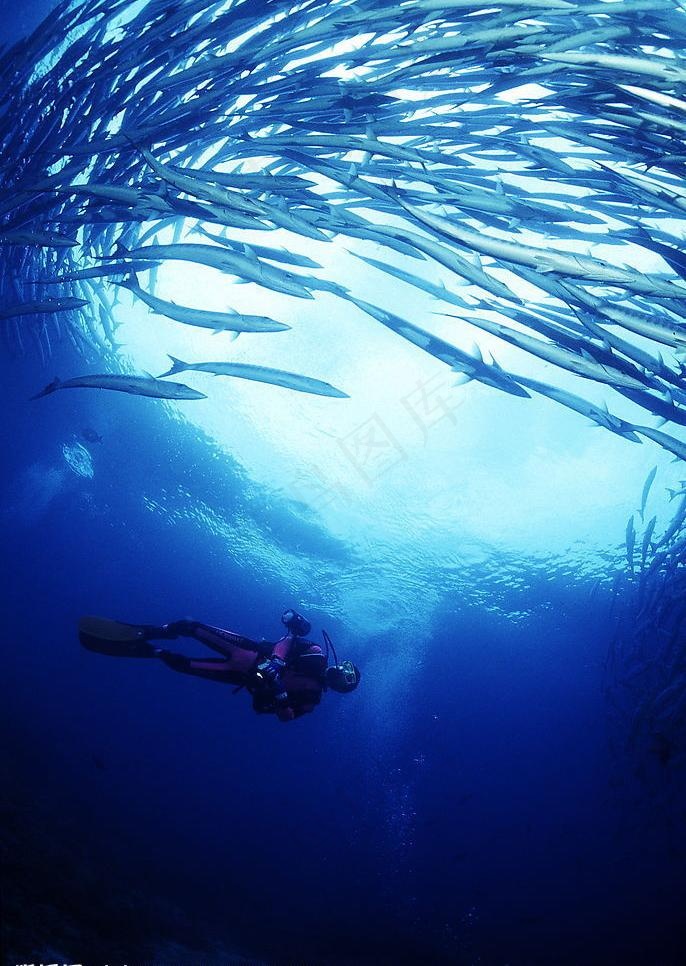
[[269, 671], [268, 674]]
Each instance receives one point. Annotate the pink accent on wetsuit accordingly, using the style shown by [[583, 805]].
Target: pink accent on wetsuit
[[241, 656], [239, 659], [297, 682]]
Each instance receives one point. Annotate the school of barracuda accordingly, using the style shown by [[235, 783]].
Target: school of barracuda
[[644, 675], [349, 120], [645, 669]]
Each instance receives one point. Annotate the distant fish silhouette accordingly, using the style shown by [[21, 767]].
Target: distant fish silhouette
[[662, 748], [90, 435]]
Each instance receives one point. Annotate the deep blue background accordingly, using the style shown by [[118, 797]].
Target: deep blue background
[[485, 822], [483, 819], [20, 19]]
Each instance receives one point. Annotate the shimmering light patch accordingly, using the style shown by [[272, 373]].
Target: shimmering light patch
[[410, 459], [78, 459], [416, 475], [33, 492]]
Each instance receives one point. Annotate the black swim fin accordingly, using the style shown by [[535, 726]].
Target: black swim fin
[[115, 638]]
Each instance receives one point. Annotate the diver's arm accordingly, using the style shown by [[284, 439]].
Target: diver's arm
[[284, 647], [268, 672]]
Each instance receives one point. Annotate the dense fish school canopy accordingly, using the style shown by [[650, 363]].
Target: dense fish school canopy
[[505, 143]]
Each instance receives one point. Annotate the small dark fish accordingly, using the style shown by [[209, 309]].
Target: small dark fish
[[662, 748], [630, 542], [90, 435], [646, 490], [43, 306]]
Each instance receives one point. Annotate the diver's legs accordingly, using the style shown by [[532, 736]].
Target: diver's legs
[[212, 668], [217, 638]]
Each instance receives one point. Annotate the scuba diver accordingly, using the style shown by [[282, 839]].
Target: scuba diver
[[286, 678]]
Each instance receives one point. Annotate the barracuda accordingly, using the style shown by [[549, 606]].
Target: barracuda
[[275, 377], [134, 385], [602, 417], [471, 366], [631, 65], [231, 262], [45, 306], [204, 318], [305, 118], [572, 361], [580, 266]]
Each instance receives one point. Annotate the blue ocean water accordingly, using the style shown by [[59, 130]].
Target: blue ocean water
[[479, 818], [470, 803]]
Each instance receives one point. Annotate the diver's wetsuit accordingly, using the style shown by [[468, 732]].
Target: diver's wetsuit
[[302, 677]]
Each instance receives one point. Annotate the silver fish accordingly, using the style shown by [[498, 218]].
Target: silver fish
[[575, 362], [275, 377], [135, 385], [232, 262], [471, 366], [44, 306], [646, 490], [544, 260], [205, 318], [600, 416], [647, 537], [98, 271], [670, 443]]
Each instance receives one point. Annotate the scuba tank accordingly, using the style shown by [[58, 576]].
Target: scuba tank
[[296, 623]]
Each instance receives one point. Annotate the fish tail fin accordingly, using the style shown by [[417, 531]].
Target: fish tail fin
[[134, 143], [127, 279], [462, 379], [177, 366], [628, 431], [51, 387]]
